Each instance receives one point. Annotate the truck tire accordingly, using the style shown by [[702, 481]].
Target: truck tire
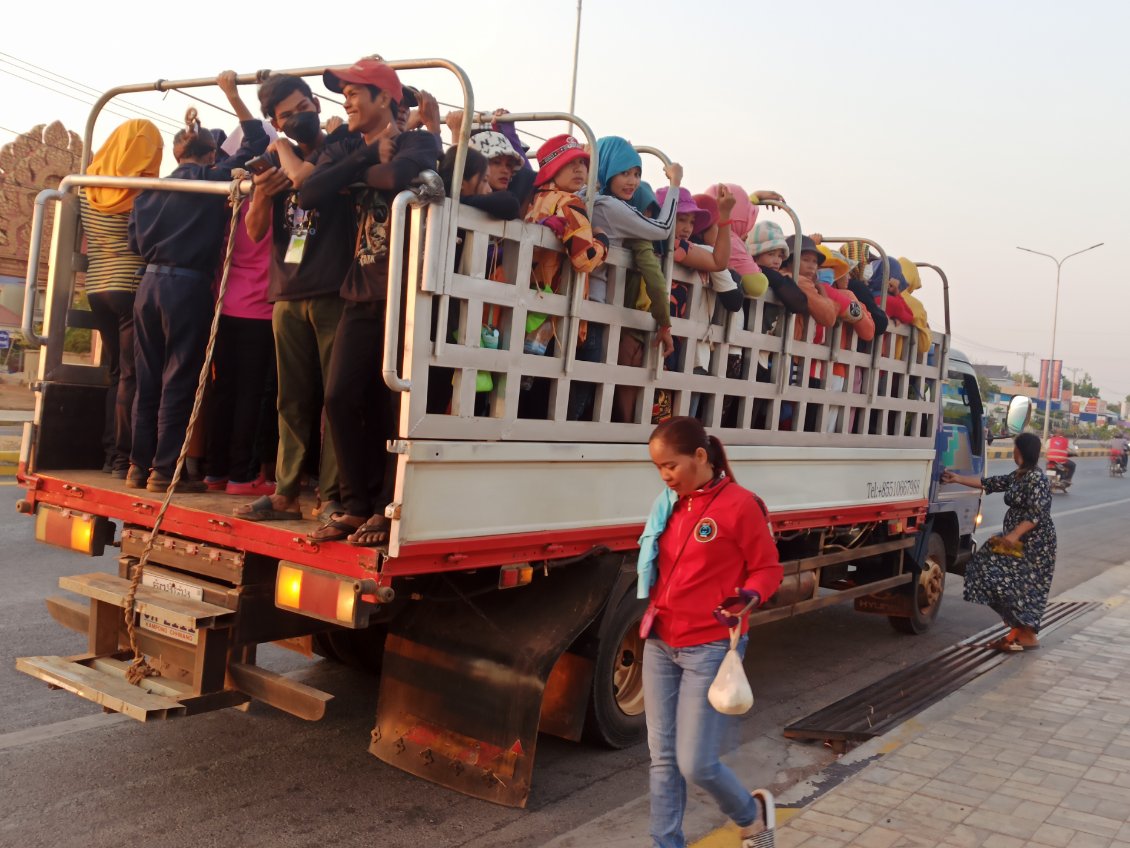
[[360, 649], [929, 589], [615, 716]]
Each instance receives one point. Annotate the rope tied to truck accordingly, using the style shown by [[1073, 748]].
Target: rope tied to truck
[[139, 667]]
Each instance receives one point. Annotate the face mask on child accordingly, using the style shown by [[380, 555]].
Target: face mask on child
[[303, 127]]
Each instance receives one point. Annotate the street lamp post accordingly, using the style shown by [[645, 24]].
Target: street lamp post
[[1055, 319]]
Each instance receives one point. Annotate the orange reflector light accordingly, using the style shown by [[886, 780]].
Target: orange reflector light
[[75, 531], [977, 521], [322, 595], [510, 576]]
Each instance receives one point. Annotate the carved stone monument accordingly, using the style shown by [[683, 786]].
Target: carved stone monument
[[31, 162]]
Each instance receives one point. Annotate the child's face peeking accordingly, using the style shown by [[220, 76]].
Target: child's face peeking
[[684, 225], [771, 259], [809, 263], [624, 184], [572, 176]]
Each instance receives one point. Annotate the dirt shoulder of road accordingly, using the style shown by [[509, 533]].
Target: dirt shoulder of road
[[15, 395]]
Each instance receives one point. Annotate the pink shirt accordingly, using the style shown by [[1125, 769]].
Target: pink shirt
[[249, 277]]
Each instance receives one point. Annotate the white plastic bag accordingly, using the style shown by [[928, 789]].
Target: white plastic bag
[[730, 693]]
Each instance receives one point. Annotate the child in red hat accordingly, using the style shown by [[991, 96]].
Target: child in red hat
[[563, 170]]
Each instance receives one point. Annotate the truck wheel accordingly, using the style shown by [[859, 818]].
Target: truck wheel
[[615, 716], [929, 589], [360, 649]]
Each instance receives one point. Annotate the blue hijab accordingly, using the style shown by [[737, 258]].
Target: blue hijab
[[614, 155], [877, 275]]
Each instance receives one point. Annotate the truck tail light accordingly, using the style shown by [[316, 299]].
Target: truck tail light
[[512, 576], [75, 531], [326, 596]]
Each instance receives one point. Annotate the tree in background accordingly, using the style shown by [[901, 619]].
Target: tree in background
[[1023, 378], [1085, 388], [987, 386]]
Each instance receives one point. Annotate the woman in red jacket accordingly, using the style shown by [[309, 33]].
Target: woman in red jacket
[[716, 557]]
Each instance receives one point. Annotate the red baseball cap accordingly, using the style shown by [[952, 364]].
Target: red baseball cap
[[555, 154], [369, 72]]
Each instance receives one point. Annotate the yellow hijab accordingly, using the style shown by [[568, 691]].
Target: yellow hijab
[[913, 283], [132, 150]]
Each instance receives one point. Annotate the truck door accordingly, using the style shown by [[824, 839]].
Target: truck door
[[962, 445]]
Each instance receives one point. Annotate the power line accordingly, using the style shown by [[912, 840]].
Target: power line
[[81, 87], [85, 102]]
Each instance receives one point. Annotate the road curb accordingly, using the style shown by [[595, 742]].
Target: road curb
[[1006, 453], [9, 460]]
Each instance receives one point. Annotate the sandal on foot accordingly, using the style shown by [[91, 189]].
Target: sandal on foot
[[334, 530], [261, 509], [764, 838], [1009, 645], [374, 533]]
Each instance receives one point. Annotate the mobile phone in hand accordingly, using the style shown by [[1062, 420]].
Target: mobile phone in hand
[[259, 164]]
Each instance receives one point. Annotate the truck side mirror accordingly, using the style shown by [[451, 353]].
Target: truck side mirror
[[1019, 414]]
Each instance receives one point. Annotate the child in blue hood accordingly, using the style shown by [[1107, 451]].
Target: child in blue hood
[[619, 172]]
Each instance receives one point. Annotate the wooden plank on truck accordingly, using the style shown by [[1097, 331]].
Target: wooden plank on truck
[[104, 689], [280, 692]]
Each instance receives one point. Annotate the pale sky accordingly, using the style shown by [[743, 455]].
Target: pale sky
[[949, 132]]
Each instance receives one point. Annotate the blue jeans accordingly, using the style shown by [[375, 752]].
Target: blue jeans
[[685, 735]]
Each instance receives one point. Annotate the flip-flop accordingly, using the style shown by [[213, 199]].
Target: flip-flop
[[326, 510], [767, 837], [1009, 645], [332, 531], [373, 527], [261, 509]]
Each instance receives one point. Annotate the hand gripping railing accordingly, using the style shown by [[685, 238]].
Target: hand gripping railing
[[74, 181]]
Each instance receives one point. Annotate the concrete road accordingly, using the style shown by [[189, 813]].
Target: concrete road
[[72, 775]]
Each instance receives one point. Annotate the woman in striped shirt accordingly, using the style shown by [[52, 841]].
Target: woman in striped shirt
[[113, 271]]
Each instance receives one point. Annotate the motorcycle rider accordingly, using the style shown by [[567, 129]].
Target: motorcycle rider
[[1119, 448], [1058, 455]]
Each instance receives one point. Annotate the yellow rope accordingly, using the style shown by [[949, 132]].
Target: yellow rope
[[139, 668]]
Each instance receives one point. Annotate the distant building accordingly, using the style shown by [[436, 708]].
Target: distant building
[[996, 373]]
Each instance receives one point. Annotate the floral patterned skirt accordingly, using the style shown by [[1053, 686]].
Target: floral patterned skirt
[[1017, 589]]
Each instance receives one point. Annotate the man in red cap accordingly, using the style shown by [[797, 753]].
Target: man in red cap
[[362, 413]]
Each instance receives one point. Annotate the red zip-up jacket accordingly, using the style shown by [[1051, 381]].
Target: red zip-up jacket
[[716, 542]]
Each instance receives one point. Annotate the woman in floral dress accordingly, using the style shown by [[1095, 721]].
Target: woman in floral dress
[[1016, 586]]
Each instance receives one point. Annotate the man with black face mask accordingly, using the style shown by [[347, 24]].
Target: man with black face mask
[[311, 251]]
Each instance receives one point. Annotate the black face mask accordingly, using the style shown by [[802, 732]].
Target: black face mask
[[303, 127]]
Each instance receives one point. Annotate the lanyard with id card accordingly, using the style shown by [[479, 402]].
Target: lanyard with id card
[[299, 230]]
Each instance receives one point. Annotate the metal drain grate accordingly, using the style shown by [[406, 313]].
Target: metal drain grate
[[876, 709]]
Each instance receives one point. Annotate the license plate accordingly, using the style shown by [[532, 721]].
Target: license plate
[[165, 625], [180, 588]]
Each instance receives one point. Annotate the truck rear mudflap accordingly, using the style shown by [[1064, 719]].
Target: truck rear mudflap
[[464, 679]]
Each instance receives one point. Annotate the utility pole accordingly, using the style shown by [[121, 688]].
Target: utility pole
[[576, 59], [1024, 367], [1055, 320]]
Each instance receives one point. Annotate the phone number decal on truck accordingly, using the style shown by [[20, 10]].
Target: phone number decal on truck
[[894, 489]]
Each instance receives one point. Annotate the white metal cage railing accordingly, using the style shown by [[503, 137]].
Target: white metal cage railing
[[757, 376]]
